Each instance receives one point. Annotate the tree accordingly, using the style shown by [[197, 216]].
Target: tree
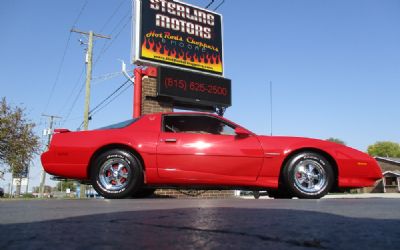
[[384, 149], [336, 140], [18, 143], [35, 189], [47, 189]]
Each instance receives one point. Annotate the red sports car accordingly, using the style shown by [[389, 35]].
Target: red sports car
[[204, 151]]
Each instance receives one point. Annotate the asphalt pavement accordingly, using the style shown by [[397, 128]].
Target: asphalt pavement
[[372, 223]]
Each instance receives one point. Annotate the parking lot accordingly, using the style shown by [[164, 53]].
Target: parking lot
[[371, 223]]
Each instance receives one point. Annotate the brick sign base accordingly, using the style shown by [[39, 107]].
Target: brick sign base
[[151, 105]]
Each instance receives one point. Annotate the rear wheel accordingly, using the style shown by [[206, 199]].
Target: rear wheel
[[308, 175], [116, 174]]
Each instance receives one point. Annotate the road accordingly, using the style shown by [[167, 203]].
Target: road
[[200, 224]]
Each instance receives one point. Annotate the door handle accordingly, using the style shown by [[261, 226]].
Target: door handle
[[170, 140]]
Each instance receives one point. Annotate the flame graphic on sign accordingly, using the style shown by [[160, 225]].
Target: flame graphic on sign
[[158, 51]]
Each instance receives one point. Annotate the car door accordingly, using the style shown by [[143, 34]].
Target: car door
[[205, 148]]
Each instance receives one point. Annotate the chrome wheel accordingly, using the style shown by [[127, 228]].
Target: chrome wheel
[[310, 177], [114, 174]]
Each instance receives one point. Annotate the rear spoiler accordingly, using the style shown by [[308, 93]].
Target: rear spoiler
[[61, 130]]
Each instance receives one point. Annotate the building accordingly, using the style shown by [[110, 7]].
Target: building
[[391, 174], [390, 182]]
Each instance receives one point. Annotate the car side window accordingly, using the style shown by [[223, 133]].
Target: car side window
[[197, 124]]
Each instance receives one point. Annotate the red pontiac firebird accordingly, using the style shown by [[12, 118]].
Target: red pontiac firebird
[[203, 151]]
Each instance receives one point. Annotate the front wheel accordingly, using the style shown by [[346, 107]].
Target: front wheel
[[308, 175], [116, 174]]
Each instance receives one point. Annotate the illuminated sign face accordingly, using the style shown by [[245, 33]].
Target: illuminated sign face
[[178, 34], [194, 88]]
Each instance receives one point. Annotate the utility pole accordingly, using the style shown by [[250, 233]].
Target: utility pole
[[10, 186], [49, 133], [27, 179], [89, 61]]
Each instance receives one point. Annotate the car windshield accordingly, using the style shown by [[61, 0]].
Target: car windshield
[[120, 124]]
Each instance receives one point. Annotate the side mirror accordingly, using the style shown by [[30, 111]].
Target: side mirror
[[241, 132]]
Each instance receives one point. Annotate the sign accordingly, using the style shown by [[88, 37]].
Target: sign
[[178, 34], [47, 132], [20, 181], [194, 88]]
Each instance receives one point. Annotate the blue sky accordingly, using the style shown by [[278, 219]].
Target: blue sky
[[334, 64]]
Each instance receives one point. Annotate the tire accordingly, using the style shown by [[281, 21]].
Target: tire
[[116, 174], [308, 175], [256, 195], [143, 193]]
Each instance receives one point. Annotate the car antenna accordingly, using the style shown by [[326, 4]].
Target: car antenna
[[270, 100]]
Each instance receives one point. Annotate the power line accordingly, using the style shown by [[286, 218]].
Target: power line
[[99, 107], [112, 15], [104, 49], [79, 94], [73, 90], [115, 97], [109, 96], [74, 103], [75, 118], [116, 36], [107, 45], [80, 13], [219, 5], [120, 21], [208, 5], [115, 27], [81, 89], [60, 67], [83, 70], [58, 72]]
